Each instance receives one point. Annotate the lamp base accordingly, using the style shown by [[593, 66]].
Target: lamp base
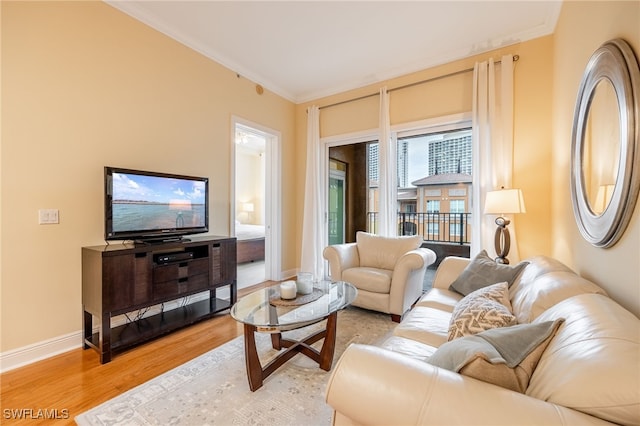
[[502, 240]]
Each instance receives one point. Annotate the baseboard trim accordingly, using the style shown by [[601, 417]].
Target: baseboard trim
[[39, 351]]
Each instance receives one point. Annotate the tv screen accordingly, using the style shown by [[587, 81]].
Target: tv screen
[[146, 206]]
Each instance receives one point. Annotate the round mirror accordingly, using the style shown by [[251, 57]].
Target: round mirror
[[605, 147], [600, 160]]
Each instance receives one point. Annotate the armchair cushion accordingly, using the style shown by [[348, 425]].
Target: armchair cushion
[[376, 251], [483, 271], [369, 279]]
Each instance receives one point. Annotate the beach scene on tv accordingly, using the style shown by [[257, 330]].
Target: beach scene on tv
[[151, 202]]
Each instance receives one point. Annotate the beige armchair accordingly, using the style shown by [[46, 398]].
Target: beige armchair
[[387, 271]]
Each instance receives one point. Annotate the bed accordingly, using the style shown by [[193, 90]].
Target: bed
[[250, 242]]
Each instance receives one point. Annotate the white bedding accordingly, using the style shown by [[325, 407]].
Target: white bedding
[[249, 232]]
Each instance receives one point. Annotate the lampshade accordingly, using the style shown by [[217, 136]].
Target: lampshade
[[247, 207], [504, 201], [603, 197]]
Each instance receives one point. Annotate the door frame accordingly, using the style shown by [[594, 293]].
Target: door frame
[[273, 197]]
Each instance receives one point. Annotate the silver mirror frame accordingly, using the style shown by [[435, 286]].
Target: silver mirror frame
[[616, 62]]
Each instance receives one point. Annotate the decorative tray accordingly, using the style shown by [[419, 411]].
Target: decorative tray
[[300, 299]]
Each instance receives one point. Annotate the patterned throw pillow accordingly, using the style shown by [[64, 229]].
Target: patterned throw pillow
[[481, 310]]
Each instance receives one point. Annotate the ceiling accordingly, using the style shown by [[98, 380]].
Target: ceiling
[[304, 50]]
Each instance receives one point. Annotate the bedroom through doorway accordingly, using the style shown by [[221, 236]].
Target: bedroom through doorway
[[253, 203]]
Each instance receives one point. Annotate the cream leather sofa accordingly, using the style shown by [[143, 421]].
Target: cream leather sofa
[[387, 271], [588, 374]]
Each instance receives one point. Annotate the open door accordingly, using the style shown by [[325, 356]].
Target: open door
[[255, 204]]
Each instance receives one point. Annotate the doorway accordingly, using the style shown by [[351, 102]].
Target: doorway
[[347, 193], [255, 200]]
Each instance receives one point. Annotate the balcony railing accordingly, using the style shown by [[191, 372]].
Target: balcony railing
[[452, 228]]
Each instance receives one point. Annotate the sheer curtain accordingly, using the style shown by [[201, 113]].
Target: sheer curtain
[[492, 117], [314, 205], [387, 211]]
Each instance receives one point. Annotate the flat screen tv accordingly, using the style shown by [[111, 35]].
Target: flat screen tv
[[146, 206]]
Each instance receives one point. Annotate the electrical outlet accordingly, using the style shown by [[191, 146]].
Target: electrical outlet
[[48, 216]]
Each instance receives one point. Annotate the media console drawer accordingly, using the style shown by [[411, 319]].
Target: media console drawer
[[175, 271], [180, 286]]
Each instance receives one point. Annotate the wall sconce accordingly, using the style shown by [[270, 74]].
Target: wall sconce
[[501, 202]]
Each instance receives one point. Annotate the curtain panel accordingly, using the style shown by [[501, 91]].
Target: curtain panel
[[387, 186], [492, 123], [313, 225]]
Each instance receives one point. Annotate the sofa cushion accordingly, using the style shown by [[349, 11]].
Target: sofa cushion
[[593, 363], [369, 279], [504, 356], [425, 325], [376, 251], [481, 310], [530, 298], [483, 271], [440, 299], [408, 347]]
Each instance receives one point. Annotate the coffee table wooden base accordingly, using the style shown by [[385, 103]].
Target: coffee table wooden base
[[324, 357]]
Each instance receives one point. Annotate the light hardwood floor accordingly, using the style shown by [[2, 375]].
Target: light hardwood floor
[[75, 381]]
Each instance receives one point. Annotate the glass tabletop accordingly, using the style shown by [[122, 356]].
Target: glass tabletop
[[263, 309]]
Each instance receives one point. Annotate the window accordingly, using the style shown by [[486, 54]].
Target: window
[[433, 206], [457, 206], [430, 154], [433, 158]]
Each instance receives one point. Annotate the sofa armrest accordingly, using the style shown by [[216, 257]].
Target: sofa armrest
[[374, 386], [448, 270], [341, 257]]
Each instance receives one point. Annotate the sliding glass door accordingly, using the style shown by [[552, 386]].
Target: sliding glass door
[[337, 205]]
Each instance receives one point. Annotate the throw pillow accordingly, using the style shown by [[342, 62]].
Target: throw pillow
[[484, 271], [505, 357], [481, 310]]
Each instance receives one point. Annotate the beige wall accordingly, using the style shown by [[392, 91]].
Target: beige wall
[[581, 29], [84, 86], [451, 95]]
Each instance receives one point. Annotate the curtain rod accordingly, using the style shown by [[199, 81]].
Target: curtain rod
[[515, 59]]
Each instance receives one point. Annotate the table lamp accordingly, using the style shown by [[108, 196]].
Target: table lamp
[[501, 202]]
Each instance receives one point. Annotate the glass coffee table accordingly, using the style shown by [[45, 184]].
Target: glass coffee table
[[265, 311]]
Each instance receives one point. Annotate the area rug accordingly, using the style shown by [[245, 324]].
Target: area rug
[[212, 389]]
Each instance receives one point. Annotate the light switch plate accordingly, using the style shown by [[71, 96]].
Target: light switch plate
[[48, 216]]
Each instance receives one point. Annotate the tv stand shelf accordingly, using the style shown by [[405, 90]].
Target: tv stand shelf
[[122, 278]]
